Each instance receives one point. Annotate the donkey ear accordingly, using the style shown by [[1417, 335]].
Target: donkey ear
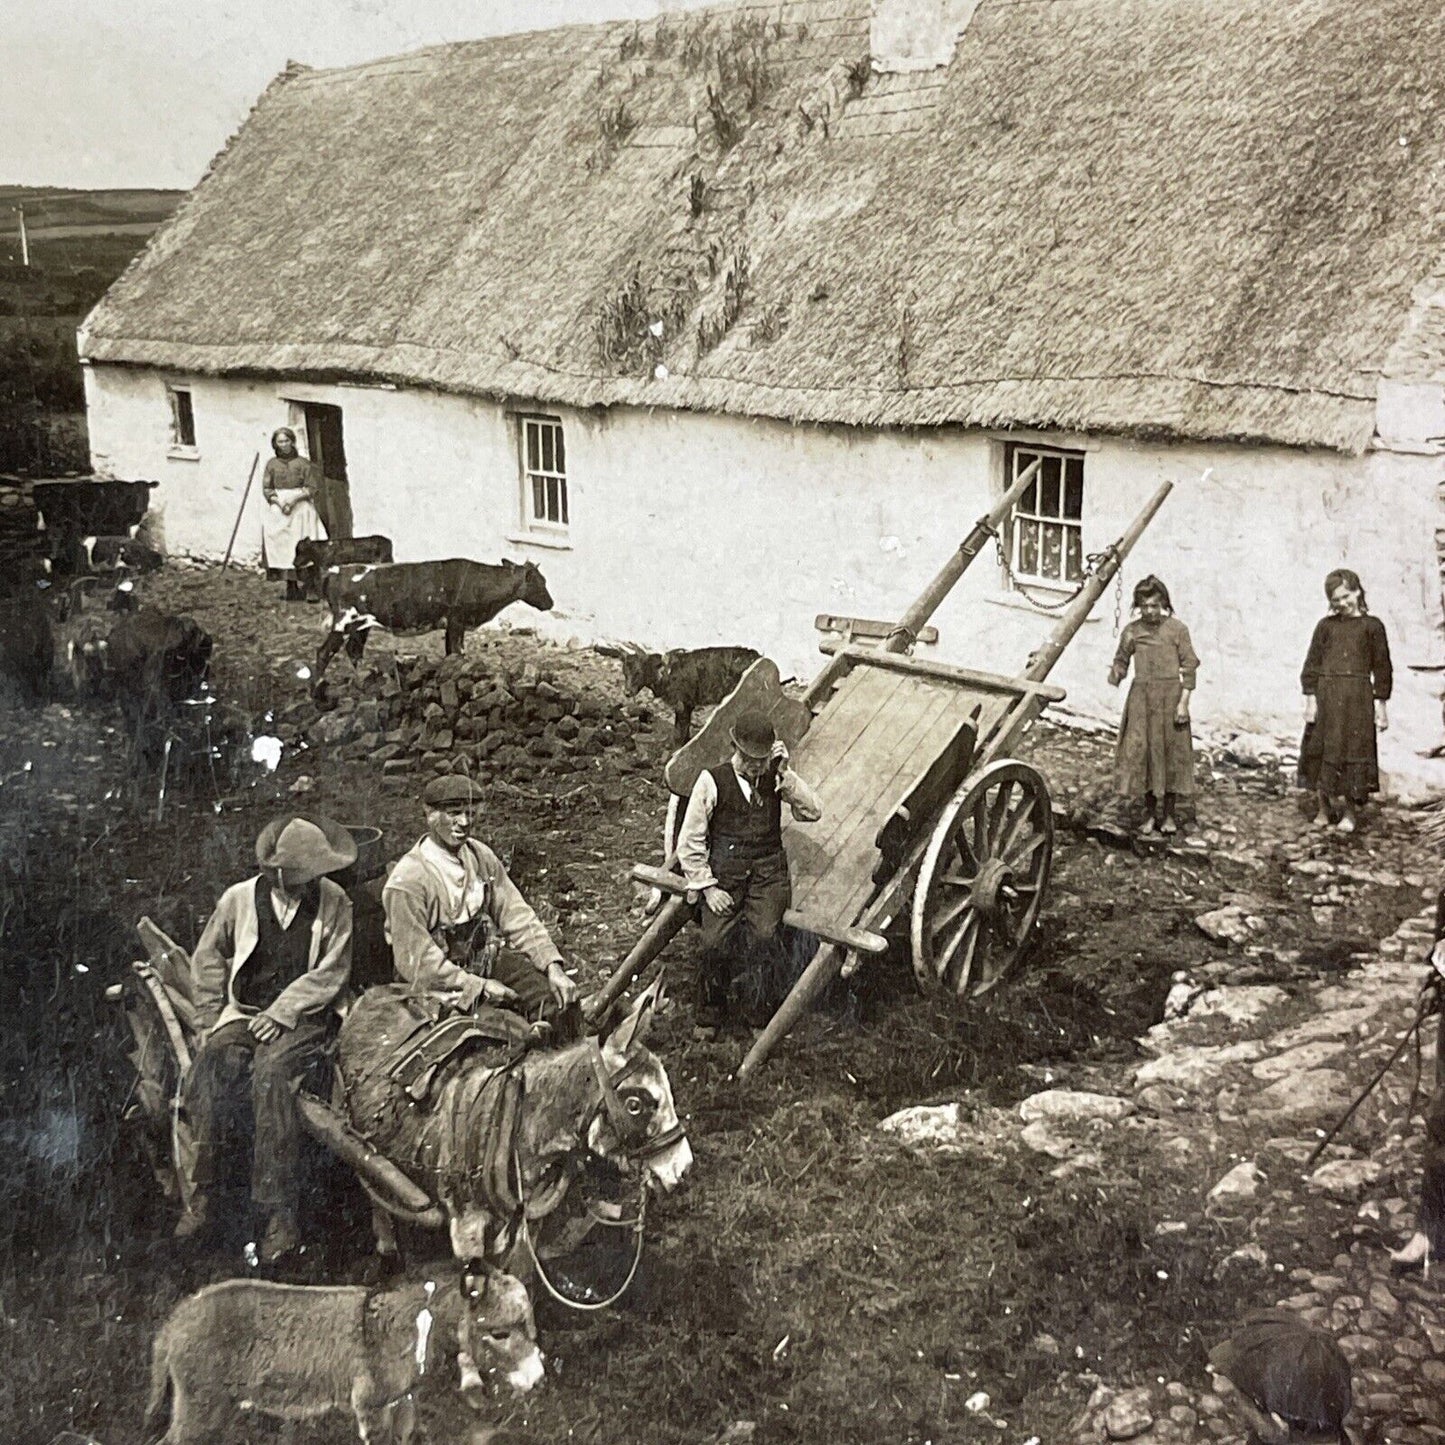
[[634, 1026]]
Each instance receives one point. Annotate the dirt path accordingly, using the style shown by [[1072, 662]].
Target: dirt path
[[817, 1279]]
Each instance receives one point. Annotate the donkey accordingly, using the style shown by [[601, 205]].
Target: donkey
[[485, 1162], [297, 1352]]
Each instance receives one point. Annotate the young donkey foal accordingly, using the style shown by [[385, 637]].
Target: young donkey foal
[[300, 1351]]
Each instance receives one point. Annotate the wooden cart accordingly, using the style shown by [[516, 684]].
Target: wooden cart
[[925, 814]]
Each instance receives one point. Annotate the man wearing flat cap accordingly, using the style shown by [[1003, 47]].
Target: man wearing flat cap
[[268, 971], [730, 850], [450, 907]]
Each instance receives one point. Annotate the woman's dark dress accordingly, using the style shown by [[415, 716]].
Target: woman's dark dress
[[1347, 671]]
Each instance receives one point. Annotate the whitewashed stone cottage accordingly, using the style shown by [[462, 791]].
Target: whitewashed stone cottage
[[737, 316]]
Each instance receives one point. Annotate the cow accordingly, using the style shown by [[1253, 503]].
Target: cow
[[684, 679], [314, 558], [73, 509], [155, 664], [27, 647], [247, 1347], [420, 597]]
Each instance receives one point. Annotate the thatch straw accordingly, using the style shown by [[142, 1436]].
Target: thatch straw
[[1148, 217]]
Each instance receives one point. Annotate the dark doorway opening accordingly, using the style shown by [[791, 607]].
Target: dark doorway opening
[[327, 446]]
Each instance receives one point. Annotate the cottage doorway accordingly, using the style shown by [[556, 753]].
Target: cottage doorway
[[326, 446]]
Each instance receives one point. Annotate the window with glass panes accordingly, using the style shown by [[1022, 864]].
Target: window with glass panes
[[1048, 534], [544, 473]]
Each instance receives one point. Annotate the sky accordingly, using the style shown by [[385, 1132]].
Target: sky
[[105, 93]]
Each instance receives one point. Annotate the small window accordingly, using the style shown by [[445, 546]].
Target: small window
[[183, 419], [1047, 541], [544, 474]]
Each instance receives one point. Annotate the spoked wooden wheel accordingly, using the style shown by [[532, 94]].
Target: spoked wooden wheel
[[982, 882]]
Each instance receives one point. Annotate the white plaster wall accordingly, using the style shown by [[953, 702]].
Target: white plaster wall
[[690, 529]]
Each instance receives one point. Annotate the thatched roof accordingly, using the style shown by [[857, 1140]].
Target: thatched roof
[[1150, 217]]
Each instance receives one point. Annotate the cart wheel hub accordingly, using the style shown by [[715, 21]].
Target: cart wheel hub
[[992, 886]]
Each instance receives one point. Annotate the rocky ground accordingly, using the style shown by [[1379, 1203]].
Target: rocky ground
[[1105, 1172]]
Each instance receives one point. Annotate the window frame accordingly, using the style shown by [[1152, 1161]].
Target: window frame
[[1061, 518], [179, 446], [555, 494]]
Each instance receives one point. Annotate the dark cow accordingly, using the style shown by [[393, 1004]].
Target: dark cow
[[313, 558], [156, 665], [685, 679], [420, 597], [27, 647], [74, 508]]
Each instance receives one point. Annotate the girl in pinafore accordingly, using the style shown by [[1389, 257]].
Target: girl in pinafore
[[1154, 761], [1346, 681]]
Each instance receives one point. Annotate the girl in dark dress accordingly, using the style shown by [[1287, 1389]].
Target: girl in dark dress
[[1346, 681]]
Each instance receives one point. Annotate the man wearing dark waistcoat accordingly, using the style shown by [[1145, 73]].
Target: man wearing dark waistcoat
[[731, 852], [269, 968]]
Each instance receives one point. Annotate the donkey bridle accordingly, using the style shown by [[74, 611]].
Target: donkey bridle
[[631, 1129]]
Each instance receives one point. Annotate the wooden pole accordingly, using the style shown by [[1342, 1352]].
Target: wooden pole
[[24, 239], [902, 637], [660, 932], [241, 512], [1042, 662], [813, 980]]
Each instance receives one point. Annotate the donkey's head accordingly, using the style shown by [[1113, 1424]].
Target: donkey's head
[[635, 1123], [497, 1334]]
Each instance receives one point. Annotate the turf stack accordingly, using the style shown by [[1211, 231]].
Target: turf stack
[[463, 714]]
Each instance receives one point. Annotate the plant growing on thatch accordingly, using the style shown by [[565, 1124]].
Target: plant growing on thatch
[[860, 71], [904, 353], [712, 329], [694, 43], [771, 324], [662, 39], [726, 131], [632, 44], [632, 325], [614, 124], [696, 196]]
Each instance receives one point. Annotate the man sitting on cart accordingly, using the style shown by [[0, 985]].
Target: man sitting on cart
[[450, 907], [270, 965], [731, 852]]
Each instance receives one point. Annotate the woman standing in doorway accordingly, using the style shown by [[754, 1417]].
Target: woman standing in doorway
[[1346, 681], [289, 486]]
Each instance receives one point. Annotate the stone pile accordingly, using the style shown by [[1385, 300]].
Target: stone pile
[[21, 539], [464, 714]]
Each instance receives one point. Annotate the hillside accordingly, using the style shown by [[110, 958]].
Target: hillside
[[80, 241]]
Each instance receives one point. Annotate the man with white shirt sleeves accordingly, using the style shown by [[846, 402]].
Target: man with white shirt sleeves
[[450, 907], [267, 973], [730, 850]]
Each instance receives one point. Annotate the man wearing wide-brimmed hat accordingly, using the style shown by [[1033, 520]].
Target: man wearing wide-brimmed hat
[[730, 850], [450, 908], [270, 966]]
